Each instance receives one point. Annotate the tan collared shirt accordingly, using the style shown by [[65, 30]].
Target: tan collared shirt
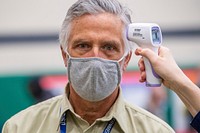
[[45, 117]]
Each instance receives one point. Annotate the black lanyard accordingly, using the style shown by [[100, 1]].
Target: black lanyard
[[63, 125]]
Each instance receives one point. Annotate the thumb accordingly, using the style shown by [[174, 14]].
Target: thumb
[[148, 53]]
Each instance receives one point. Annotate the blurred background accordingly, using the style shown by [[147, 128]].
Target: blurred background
[[32, 70]]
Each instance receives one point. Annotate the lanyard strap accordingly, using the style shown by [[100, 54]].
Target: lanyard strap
[[63, 125], [109, 126]]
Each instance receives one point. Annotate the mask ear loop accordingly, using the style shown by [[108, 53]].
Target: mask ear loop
[[123, 57], [123, 60], [67, 53], [68, 65]]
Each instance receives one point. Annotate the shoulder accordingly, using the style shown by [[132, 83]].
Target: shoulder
[[34, 115], [146, 120], [37, 109]]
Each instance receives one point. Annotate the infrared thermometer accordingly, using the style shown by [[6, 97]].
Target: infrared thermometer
[[147, 35]]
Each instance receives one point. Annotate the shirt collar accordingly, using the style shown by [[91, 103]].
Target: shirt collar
[[117, 111], [65, 105]]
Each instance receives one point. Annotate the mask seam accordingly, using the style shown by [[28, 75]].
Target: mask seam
[[68, 69], [119, 73]]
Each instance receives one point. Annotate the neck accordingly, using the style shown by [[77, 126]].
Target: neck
[[90, 111]]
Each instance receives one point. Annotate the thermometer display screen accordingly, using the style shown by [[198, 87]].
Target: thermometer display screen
[[156, 35]]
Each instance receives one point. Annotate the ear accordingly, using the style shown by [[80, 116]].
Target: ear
[[126, 61], [64, 55]]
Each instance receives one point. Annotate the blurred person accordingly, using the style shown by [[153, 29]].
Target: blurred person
[[37, 91], [96, 53], [157, 102]]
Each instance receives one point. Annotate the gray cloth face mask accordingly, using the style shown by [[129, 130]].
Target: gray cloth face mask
[[94, 79]]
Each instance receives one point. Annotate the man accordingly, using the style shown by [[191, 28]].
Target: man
[[95, 52]]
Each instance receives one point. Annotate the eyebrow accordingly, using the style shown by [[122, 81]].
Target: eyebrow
[[104, 42], [112, 42], [80, 41]]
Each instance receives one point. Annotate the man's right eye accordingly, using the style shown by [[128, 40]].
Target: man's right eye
[[82, 46]]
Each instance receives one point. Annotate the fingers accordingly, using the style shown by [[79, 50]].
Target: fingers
[[141, 64], [142, 70], [145, 53], [142, 77], [150, 55]]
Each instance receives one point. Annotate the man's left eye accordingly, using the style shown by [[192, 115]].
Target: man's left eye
[[109, 47]]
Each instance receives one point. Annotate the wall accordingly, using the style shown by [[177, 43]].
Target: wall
[[29, 31]]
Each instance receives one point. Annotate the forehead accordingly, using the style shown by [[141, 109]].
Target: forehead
[[100, 23], [101, 17]]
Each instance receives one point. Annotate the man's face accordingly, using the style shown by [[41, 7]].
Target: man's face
[[96, 36]]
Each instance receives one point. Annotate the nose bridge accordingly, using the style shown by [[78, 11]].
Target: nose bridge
[[96, 51]]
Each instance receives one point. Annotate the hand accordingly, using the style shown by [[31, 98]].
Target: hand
[[164, 65]]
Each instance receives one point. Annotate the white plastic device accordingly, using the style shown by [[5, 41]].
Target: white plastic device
[[147, 35]]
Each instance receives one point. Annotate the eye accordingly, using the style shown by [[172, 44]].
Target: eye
[[111, 49], [82, 46], [108, 47]]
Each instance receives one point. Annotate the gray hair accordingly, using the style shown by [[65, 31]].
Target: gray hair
[[82, 7]]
